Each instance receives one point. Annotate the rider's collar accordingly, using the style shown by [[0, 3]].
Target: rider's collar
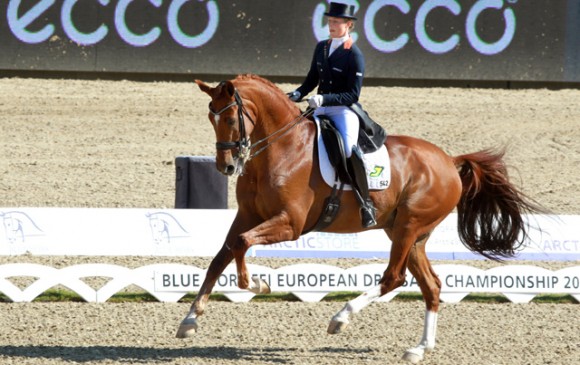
[[337, 42]]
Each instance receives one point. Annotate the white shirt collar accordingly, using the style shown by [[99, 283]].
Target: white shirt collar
[[337, 42]]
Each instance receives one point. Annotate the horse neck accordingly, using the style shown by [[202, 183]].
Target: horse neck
[[273, 116], [292, 144]]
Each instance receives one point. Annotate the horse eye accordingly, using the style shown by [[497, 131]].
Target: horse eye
[[231, 122]]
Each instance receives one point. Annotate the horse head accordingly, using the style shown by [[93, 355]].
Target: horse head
[[248, 106], [233, 121]]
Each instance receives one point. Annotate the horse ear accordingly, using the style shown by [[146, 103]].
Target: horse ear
[[204, 87], [229, 88]]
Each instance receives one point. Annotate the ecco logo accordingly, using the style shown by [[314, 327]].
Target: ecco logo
[[19, 24], [421, 33]]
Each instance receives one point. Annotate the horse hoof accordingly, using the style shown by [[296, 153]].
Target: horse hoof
[[261, 287], [187, 328], [335, 327], [412, 357]]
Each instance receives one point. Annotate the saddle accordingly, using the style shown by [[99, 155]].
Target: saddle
[[371, 137], [334, 147]]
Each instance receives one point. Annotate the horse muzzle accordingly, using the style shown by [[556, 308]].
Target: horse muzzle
[[229, 170], [230, 165]]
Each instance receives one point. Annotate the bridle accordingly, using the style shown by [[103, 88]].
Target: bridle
[[243, 143]]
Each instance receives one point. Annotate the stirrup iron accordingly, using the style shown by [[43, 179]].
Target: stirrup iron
[[367, 213]]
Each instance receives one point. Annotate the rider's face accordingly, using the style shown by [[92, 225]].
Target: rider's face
[[338, 27]]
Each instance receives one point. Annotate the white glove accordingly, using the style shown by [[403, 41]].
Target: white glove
[[315, 101], [294, 96]]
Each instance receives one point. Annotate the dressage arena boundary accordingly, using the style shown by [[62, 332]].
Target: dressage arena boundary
[[200, 233], [308, 282]]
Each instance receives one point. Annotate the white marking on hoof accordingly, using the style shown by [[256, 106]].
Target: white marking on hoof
[[414, 355], [335, 326], [187, 328], [427, 344], [339, 322], [259, 286]]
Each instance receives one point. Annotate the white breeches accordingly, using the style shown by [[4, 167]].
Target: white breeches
[[346, 121]]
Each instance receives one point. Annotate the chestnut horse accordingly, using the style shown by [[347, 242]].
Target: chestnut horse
[[281, 193]]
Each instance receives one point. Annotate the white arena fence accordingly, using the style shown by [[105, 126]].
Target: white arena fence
[[174, 232], [308, 282]]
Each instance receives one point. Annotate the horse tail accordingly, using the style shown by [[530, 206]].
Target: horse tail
[[490, 209]]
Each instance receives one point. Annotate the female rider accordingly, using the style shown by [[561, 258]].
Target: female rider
[[337, 69]]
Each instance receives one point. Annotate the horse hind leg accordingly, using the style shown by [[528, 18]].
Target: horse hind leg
[[340, 321], [430, 285], [393, 277]]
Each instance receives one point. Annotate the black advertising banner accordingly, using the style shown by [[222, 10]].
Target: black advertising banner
[[572, 57], [517, 40]]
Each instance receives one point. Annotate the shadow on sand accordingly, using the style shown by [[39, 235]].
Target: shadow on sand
[[144, 355]]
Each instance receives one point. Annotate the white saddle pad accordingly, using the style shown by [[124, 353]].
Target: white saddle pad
[[377, 165]]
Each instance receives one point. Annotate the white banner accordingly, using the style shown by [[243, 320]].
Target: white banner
[[192, 232], [309, 282], [113, 232]]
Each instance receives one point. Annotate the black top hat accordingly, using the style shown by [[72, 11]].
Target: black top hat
[[338, 10]]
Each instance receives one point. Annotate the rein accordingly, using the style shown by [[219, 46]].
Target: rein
[[243, 144], [282, 131]]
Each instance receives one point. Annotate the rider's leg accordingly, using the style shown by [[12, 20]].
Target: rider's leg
[[358, 174], [347, 123]]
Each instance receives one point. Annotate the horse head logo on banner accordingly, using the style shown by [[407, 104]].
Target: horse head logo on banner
[[18, 226], [164, 227]]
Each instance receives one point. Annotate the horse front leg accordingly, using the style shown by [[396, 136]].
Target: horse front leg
[[276, 229], [224, 257], [188, 326]]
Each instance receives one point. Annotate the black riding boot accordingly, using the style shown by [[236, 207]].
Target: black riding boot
[[360, 185]]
